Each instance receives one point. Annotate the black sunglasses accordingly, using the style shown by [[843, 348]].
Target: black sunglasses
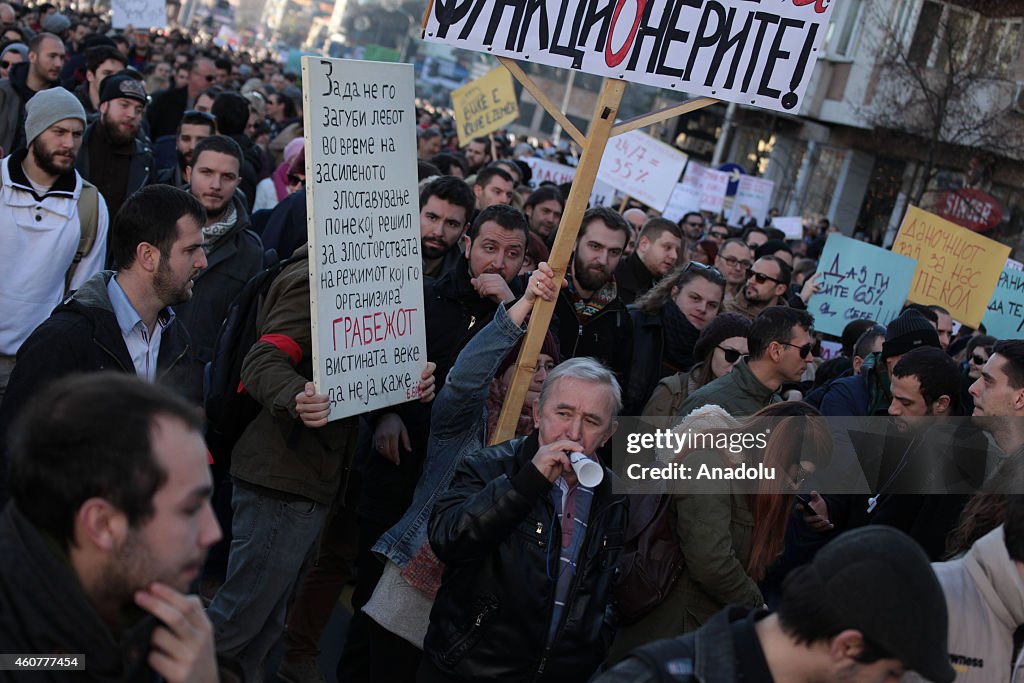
[[210, 78], [295, 179], [761, 277], [720, 235], [978, 360], [731, 355], [713, 272], [804, 350]]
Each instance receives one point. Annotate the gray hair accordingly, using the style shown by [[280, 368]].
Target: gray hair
[[588, 370]]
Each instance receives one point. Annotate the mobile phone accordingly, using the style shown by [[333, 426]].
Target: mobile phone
[[805, 503]]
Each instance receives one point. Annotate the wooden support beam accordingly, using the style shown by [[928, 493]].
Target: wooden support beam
[[662, 115], [565, 240], [543, 100]]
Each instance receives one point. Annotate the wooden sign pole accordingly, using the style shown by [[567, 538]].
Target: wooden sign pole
[[602, 127]]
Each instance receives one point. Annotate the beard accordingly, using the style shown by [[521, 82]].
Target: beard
[[117, 135], [432, 250], [168, 291], [588, 278], [49, 160]]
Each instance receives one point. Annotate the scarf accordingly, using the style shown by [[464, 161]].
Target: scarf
[[495, 399], [680, 338], [213, 233], [588, 308]]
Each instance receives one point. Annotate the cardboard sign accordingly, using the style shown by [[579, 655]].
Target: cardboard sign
[[366, 290], [485, 105], [1014, 265], [956, 268], [858, 281], [643, 168], [753, 200], [1004, 317], [713, 187], [685, 198], [603, 194], [138, 13], [792, 226], [701, 189], [755, 53]]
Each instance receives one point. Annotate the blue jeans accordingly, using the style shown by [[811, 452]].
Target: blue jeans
[[271, 539]]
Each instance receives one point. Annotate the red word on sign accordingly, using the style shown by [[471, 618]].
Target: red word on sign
[[372, 328]]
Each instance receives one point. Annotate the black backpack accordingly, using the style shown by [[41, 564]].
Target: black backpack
[[652, 560], [229, 409]]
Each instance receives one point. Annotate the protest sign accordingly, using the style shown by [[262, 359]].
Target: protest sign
[[364, 237], [791, 226], [956, 268], [685, 197], [542, 171], [702, 189], [830, 350], [1004, 317], [734, 50], [643, 168], [485, 105], [858, 281], [713, 186], [1014, 265], [752, 201], [138, 13]]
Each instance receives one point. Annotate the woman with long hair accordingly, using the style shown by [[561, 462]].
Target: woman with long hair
[[731, 530], [667, 321]]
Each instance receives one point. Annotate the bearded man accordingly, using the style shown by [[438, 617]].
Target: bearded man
[[115, 157], [592, 318]]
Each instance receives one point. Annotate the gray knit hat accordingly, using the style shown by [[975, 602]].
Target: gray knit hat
[[47, 107]]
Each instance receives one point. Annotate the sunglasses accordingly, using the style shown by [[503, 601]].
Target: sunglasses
[[978, 360], [210, 78], [720, 235], [295, 179], [732, 262], [761, 278], [713, 272], [804, 350], [731, 355]]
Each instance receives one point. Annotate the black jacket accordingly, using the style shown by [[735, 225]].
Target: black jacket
[[141, 169], [607, 336], [82, 335], [235, 259], [253, 161], [647, 369], [633, 278], [492, 530]]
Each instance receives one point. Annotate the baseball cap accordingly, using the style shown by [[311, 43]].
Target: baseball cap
[[877, 580], [122, 85], [908, 332]]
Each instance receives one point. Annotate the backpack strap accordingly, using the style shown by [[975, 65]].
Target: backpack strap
[[670, 660], [88, 218]]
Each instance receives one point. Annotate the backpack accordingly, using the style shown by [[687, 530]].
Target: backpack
[[651, 557], [674, 384], [229, 409], [88, 218]]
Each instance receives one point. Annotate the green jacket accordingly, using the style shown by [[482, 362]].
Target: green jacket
[[739, 393], [277, 451]]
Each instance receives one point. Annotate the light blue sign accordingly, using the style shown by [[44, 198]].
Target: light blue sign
[[1004, 318], [859, 281]]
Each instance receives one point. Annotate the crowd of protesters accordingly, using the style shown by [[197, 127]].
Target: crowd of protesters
[[147, 179]]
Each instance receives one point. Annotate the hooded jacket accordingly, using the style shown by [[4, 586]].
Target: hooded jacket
[[740, 393], [14, 94], [985, 599]]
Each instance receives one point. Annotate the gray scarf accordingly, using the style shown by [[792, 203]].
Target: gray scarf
[[213, 233]]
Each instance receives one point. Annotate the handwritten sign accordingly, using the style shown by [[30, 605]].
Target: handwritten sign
[[956, 268], [369, 344], [1004, 317], [791, 226], [752, 202], [644, 168], [701, 189], [747, 52], [485, 105], [138, 13], [1014, 265], [830, 350], [542, 171], [859, 281]]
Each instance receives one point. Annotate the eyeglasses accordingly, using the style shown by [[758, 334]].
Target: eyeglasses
[[731, 355], [732, 262], [804, 350], [978, 360], [762, 278], [296, 179], [719, 235]]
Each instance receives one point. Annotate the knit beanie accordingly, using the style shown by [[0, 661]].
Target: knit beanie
[[20, 48], [908, 332], [55, 24], [723, 326], [47, 107]]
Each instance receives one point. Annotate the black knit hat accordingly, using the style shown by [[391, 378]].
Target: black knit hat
[[877, 580], [724, 326], [907, 332]]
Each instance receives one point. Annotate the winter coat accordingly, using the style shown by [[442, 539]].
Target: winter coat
[[740, 393], [606, 336]]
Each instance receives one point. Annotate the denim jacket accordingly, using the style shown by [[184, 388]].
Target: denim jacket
[[458, 427]]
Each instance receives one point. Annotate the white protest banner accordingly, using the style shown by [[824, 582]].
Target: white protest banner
[[138, 13], [701, 189], [713, 185], [752, 201], [792, 226], [830, 350], [685, 197], [644, 168], [755, 53], [366, 290], [559, 174]]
